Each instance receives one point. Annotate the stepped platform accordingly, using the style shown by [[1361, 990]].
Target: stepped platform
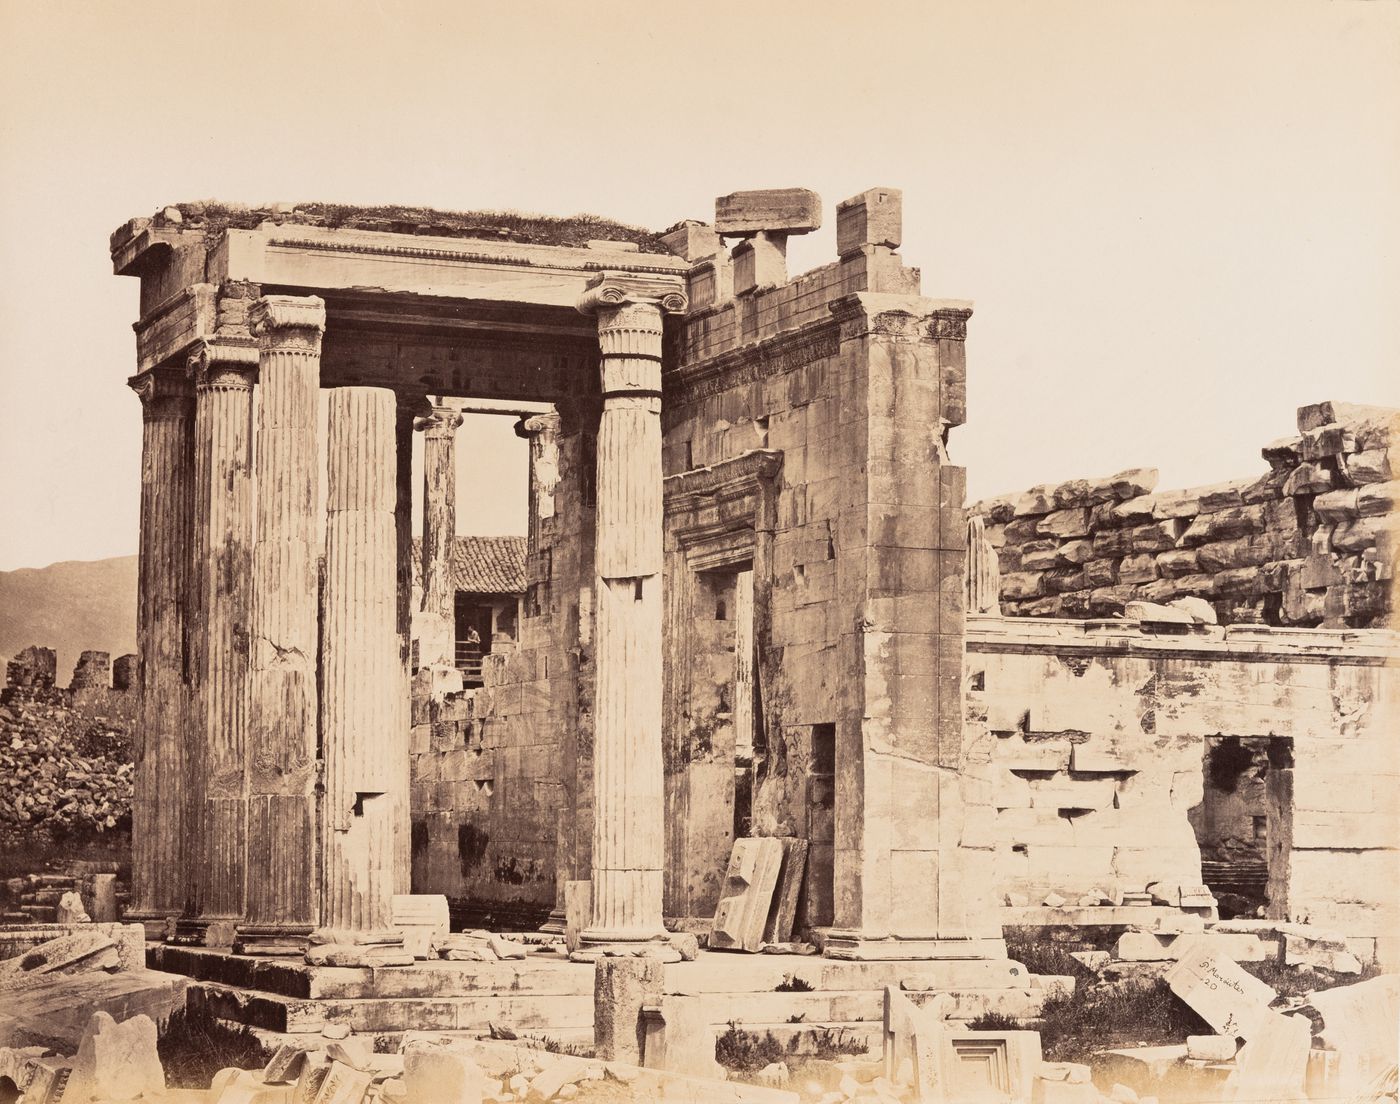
[[544, 994]]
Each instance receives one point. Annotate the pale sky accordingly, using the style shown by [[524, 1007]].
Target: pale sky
[[1177, 221]]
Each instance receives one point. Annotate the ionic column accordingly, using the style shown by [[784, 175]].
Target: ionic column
[[282, 851], [159, 886], [628, 834], [218, 634], [365, 737], [437, 639]]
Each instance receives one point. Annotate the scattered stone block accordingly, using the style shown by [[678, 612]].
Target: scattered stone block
[[680, 1039], [116, 1061], [621, 988], [1358, 1023], [342, 1084], [1054, 900], [1211, 1048], [578, 912], [284, 1065], [71, 909], [1228, 998], [1092, 960], [742, 912], [441, 1074], [507, 948], [782, 916], [685, 944], [1272, 1066], [916, 1049], [423, 918]]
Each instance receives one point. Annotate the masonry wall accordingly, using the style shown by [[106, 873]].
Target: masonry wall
[[1096, 737], [1312, 541]]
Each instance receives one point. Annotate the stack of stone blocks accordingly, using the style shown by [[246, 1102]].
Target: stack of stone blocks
[[1310, 542]]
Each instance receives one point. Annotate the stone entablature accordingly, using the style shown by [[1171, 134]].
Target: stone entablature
[[1311, 542]]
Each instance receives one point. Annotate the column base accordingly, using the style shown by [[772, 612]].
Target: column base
[[272, 939], [554, 925], [205, 931], [845, 943], [592, 952], [159, 925]]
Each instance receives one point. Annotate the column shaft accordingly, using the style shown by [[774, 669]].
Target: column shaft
[[437, 636], [628, 827], [282, 850], [218, 632], [403, 534], [363, 711], [160, 885]]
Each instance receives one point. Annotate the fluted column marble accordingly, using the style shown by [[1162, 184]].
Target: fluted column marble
[[218, 635], [365, 739], [437, 640], [983, 571], [160, 886], [282, 852], [628, 834]]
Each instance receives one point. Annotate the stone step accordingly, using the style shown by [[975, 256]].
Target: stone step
[[550, 1013], [712, 973]]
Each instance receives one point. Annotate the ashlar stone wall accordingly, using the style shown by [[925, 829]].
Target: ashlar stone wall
[[1093, 740]]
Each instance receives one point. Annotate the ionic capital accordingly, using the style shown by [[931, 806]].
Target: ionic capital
[[223, 366], [441, 424], [537, 425], [613, 290], [288, 321], [164, 393]]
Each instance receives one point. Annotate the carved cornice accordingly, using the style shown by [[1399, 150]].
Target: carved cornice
[[904, 318], [467, 255], [610, 290], [164, 393], [715, 513], [224, 366], [772, 356], [288, 320]]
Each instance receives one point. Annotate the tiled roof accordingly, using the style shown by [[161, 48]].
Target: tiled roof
[[482, 565]]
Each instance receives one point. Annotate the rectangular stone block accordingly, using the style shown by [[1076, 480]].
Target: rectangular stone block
[[874, 217], [742, 912], [781, 210], [1233, 1001]]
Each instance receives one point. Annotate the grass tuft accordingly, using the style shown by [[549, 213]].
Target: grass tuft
[[193, 1046]]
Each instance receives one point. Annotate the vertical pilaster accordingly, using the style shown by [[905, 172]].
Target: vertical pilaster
[[437, 638], [628, 834], [901, 889], [159, 866], [218, 635], [406, 411], [363, 689], [282, 853]]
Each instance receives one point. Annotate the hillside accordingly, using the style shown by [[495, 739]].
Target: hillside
[[69, 606]]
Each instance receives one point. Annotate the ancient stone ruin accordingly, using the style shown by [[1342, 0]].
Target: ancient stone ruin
[[759, 722]]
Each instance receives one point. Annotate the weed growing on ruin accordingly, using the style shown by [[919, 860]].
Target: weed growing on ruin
[[791, 983], [194, 1046], [747, 1051], [1076, 1025], [833, 1043], [1298, 981], [1043, 956], [995, 1021]]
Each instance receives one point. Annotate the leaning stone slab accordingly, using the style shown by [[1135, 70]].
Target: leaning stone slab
[[342, 1085], [1228, 998], [1273, 1064], [782, 917], [742, 911]]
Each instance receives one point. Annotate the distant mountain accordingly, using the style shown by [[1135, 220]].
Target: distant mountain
[[69, 606]]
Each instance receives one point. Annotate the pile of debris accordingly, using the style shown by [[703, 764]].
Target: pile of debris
[[61, 771]]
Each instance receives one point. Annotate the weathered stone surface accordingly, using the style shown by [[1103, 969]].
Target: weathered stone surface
[[747, 895], [578, 911], [1273, 1062], [782, 915], [116, 1061], [680, 1039], [621, 987], [1358, 1023], [1228, 998], [874, 217], [435, 1072], [785, 210], [423, 918]]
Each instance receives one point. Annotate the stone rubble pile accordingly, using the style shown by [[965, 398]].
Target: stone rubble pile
[[65, 764], [1311, 542]]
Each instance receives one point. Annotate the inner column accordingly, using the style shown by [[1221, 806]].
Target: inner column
[[628, 835], [282, 665], [364, 688], [437, 631]]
